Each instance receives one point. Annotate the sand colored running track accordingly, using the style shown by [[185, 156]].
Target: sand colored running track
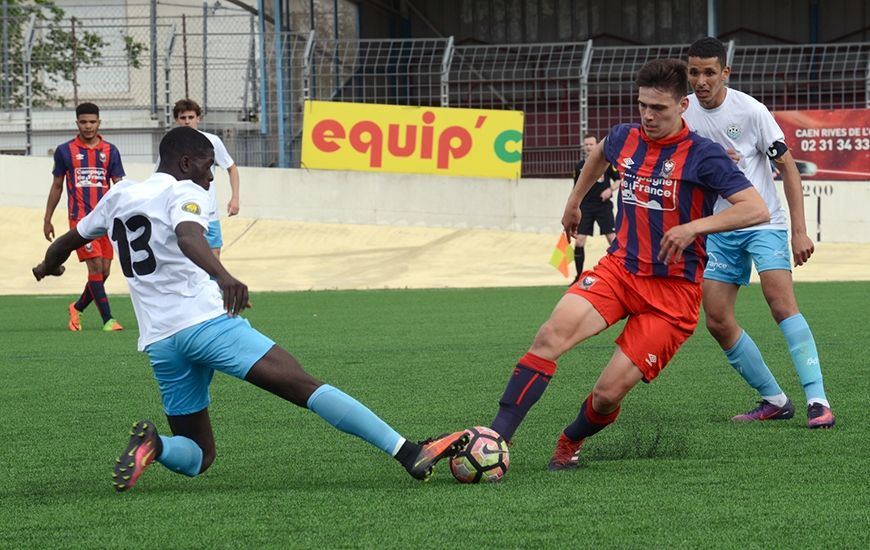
[[273, 255]]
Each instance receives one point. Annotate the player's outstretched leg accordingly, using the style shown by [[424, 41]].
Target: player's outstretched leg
[[347, 414], [142, 449]]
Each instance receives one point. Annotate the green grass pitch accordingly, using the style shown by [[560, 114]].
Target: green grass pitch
[[672, 472]]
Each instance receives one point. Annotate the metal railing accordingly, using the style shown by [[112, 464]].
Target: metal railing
[[253, 84]]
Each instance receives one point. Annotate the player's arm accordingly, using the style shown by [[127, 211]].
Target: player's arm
[[54, 195], [802, 246], [747, 209], [233, 206], [192, 243], [593, 169], [57, 254]]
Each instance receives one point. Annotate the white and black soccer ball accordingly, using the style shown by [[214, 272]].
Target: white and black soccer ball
[[484, 460]]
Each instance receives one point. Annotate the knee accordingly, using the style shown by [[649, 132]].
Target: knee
[[716, 325], [782, 310], [605, 400], [547, 338]]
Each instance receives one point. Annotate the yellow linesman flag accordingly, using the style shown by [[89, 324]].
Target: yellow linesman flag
[[562, 256]]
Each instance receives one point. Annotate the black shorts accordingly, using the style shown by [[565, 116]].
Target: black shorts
[[600, 212]]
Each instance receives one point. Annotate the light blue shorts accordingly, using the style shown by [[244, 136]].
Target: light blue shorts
[[184, 363], [213, 235], [731, 254]]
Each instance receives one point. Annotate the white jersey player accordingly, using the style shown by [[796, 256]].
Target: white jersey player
[[747, 130], [189, 331]]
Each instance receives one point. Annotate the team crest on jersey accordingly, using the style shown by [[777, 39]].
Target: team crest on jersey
[[587, 282], [733, 131], [191, 208], [102, 156], [668, 168]]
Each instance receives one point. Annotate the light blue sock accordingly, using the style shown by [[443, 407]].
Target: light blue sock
[[350, 416], [181, 454], [746, 360], [802, 347]]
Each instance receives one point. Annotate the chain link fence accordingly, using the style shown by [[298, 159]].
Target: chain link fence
[[252, 83]]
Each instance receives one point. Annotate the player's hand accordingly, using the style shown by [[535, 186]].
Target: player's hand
[[802, 248], [674, 242], [733, 154], [570, 219], [235, 296], [233, 207], [48, 231], [40, 274], [606, 194]]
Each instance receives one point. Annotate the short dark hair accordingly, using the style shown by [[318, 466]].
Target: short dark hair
[[709, 47], [183, 141], [592, 136], [186, 105], [669, 75], [87, 109]]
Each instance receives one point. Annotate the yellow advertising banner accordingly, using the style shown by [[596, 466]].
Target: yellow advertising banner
[[412, 140]]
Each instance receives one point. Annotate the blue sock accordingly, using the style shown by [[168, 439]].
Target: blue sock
[[802, 347], [347, 414], [746, 360], [181, 455]]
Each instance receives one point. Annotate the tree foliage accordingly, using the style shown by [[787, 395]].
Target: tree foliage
[[61, 48]]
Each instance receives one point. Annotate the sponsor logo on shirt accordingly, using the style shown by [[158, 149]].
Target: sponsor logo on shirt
[[651, 193], [627, 162], [191, 208], [733, 131], [90, 177], [80, 156]]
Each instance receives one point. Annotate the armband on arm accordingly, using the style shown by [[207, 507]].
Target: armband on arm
[[776, 151]]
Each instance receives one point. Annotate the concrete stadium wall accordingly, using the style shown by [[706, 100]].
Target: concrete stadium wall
[[836, 211]]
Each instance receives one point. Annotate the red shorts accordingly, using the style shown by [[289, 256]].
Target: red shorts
[[98, 248], [662, 311]]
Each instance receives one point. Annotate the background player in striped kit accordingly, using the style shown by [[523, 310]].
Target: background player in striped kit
[[90, 165]]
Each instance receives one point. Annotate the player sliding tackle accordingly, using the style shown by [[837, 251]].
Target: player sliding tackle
[[189, 330], [652, 271]]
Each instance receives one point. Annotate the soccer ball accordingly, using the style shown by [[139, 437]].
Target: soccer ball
[[485, 458]]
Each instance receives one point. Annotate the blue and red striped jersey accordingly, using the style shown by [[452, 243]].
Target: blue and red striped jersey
[[89, 173], [664, 184]]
